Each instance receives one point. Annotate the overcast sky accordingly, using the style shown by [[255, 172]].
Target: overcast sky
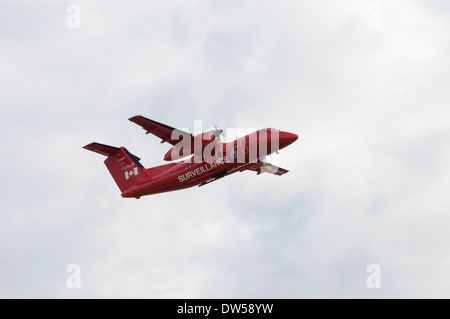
[[365, 84]]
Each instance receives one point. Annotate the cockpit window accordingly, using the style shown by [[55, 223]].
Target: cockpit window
[[268, 130]]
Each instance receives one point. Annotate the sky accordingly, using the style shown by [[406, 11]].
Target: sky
[[363, 83]]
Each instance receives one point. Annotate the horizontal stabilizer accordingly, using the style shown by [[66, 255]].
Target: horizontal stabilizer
[[106, 150], [102, 149]]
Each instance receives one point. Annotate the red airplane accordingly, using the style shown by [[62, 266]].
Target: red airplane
[[211, 158]]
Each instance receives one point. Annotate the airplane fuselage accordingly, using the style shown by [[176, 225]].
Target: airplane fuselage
[[209, 159], [222, 160]]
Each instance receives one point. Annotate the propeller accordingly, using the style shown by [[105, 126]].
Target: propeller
[[218, 133], [271, 158]]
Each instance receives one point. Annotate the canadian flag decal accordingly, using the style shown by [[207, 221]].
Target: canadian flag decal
[[130, 173]]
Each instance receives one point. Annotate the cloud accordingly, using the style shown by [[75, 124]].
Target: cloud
[[368, 178]]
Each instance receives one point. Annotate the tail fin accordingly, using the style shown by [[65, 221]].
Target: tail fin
[[123, 166]]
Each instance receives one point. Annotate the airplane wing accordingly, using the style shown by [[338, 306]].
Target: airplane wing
[[260, 167], [164, 132]]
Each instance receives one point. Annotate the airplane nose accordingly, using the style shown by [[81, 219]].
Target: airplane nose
[[287, 138]]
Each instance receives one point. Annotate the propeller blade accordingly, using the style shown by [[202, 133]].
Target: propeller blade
[[218, 133]]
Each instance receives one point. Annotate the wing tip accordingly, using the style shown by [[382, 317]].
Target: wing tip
[[134, 117], [86, 147]]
